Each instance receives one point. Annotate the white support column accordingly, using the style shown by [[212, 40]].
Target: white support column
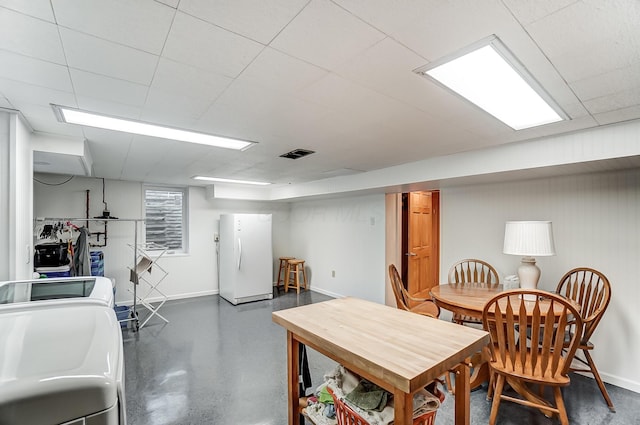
[[16, 198]]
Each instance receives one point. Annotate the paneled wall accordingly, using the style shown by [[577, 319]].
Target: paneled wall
[[596, 223]]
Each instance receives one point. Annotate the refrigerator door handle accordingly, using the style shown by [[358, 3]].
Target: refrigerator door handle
[[239, 252]]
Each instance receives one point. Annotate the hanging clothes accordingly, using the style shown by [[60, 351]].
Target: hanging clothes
[[305, 374], [81, 256]]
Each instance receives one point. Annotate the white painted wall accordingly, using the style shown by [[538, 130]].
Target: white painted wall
[[596, 221], [191, 274], [346, 236]]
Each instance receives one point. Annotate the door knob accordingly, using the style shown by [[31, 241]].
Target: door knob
[[411, 254]]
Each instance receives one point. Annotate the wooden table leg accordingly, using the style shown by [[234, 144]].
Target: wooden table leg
[[293, 375], [480, 373], [463, 395], [403, 408]]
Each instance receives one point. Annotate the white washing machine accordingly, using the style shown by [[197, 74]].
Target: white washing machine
[[93, 287], [61, 361]]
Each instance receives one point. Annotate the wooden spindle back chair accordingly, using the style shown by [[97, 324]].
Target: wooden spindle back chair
[[404, 301], [472, 272], [592, 290], [528, 347]]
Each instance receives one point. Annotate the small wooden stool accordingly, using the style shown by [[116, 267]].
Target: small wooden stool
[[282, 271], [296, 267]]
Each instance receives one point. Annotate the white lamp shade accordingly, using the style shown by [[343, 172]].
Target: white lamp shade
[[529, 238]]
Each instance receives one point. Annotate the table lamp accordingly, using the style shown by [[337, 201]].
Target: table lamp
[[529, 239]]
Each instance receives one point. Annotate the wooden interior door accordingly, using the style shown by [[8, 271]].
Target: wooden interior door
[[422, 242]]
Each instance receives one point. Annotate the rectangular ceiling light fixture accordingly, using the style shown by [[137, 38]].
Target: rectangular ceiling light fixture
[[216, 179], [488, 75], [91, 119]]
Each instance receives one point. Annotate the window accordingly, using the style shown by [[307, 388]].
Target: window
[[166, 214]]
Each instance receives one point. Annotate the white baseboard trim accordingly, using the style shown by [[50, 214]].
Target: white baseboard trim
[[328, 293], [617, 381]]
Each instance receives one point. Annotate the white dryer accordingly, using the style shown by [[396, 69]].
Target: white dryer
[[61, 362]]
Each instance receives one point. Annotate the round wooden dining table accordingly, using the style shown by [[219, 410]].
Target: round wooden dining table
[[467, 299]]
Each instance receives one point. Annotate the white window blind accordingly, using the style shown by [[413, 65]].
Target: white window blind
[[165, 211]]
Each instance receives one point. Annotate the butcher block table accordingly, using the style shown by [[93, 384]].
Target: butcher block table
[[398, 350]]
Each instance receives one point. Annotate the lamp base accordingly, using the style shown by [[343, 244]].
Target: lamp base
[[529, 274]]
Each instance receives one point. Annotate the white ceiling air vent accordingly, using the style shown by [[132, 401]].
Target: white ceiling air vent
[[297, 153]]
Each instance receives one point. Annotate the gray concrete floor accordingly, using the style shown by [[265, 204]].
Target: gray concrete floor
[[216, 363]]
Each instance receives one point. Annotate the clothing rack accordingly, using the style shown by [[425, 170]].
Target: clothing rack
[[134, 314]]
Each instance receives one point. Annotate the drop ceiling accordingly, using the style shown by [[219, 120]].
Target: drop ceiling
[[334, 77]]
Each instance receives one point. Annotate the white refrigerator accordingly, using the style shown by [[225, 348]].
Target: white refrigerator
[[246, 259]]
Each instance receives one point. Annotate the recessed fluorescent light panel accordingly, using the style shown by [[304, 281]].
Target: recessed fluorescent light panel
[[488, 75], [216, 179], [76, 116]]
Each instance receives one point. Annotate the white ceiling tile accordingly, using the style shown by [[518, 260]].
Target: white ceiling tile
[[178, 78], [620, 115], [205, 46], [276, 70], [389, 20], [599, 39], [170, 3], [340, 94], [102, 57], [37, 8], [451, 26], [615, 81], [143, 24], [34, 71], [529, 11], [21, 94], [144, 155], [245, 109], [391, 61], [109, 89], [260, 21], [612, 102], [326, 35], [583, 62], [30, 37], [174, 106]]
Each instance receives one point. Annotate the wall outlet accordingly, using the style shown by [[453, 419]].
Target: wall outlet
[[333, 273]]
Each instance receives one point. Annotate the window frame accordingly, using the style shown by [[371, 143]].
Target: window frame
[[184, 190]]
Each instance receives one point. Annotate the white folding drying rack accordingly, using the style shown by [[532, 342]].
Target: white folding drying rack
[[151, 274]]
